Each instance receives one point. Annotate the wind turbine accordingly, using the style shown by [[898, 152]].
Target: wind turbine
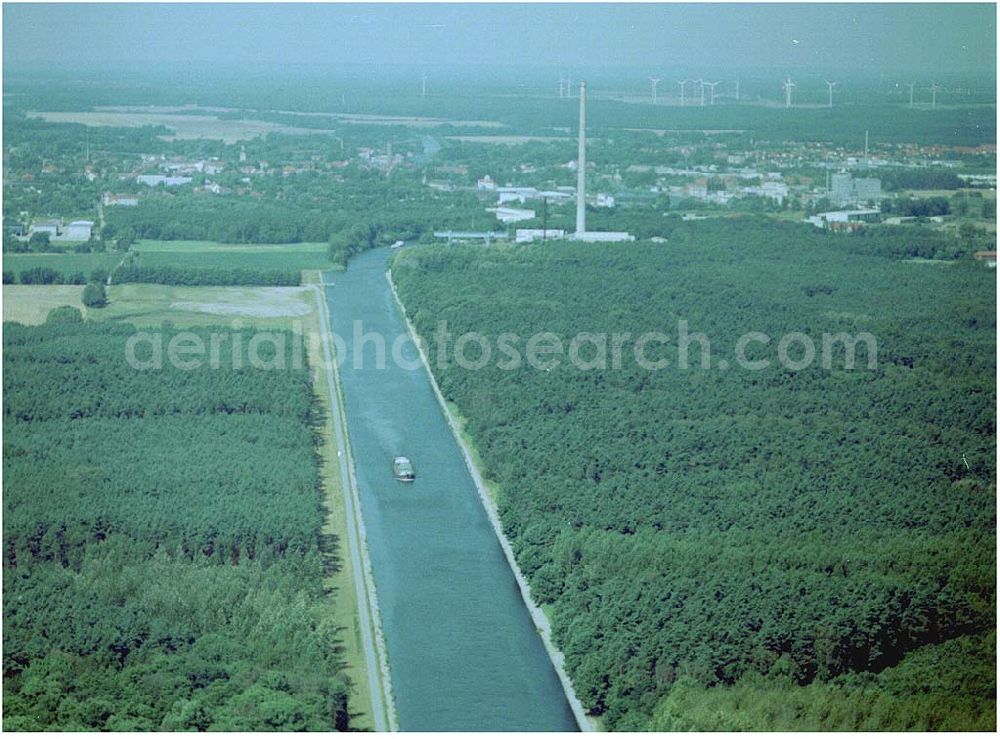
[[701, 89], [423, 85], [711, 88], [829, 93], [788, 85], [682, 83], [737, 89], [654, 81], [934, 92]]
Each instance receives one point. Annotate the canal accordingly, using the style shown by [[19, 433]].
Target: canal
[[463, 651]]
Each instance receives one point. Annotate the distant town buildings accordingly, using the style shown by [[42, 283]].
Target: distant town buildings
[[152, 180]]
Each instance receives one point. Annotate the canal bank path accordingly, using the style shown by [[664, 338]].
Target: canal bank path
[[463, 650]]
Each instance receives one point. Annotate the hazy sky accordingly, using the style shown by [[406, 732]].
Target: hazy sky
[[854, 37]]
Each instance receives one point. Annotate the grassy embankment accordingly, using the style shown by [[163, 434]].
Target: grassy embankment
[[342, 582]]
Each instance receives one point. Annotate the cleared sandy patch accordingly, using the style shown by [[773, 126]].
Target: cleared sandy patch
[[265, 302]]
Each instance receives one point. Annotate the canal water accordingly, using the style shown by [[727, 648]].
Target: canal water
[[463, 651]]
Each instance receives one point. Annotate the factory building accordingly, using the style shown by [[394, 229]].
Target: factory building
[[50, 227], [528, 235], [78, 231], [126, 200], [845, 189], [158, 179], [512, 215], [844, 220]]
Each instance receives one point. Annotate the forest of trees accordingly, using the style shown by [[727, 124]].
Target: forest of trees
[[174, 275], [163, 554], [704, 536]]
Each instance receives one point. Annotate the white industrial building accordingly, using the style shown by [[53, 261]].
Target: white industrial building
[[73, 231], [158, 179], [845, 189], [512, 215], [78, 231], [515, 194], [110, 199], [527, 235], [50, 227], [844, 217], [595, 236]]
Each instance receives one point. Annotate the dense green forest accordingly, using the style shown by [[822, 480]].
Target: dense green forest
[[163, 556], [170, 275], [311, 209], [716, 543], [960, 119]]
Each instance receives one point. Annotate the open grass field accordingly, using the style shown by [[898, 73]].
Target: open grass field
[[30, 304], [67, 264], [207, 254]]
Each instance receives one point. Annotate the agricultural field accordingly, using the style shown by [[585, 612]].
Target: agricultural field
[[31, 304], [65, 264], [726, 548]]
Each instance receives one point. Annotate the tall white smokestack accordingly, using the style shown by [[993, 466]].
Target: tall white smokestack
[[581, 164]]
